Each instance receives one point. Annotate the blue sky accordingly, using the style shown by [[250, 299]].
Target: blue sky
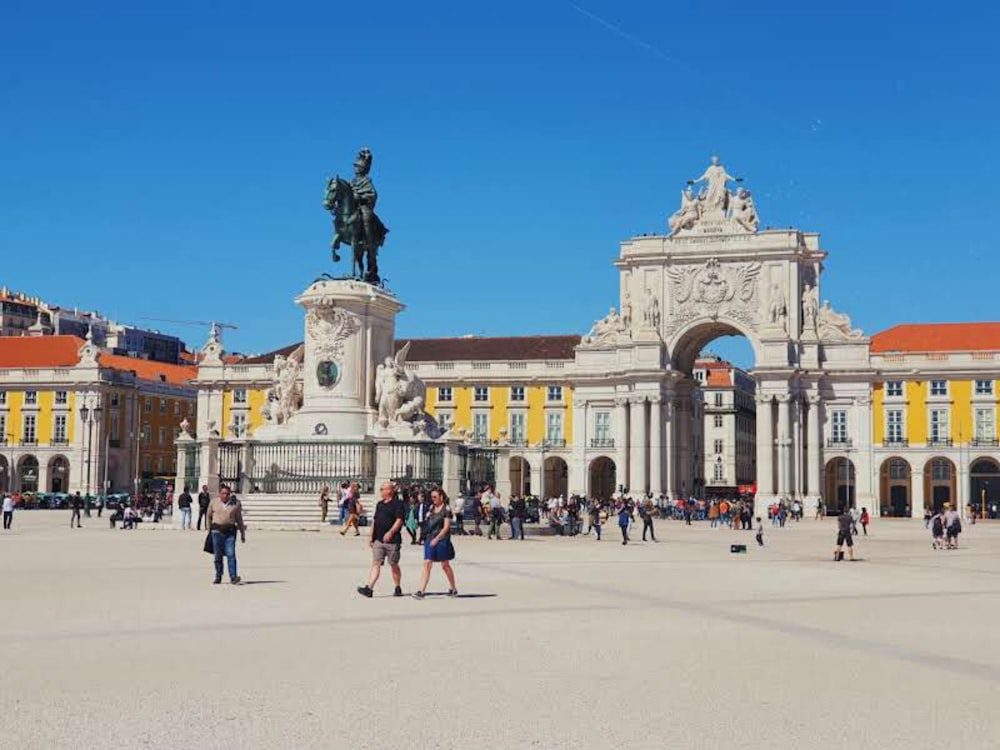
[[169, 159]]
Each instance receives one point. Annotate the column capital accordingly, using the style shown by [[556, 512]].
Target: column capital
[[637, 399], [621, 400], [763, 398], [783, 398], [656, 400], [814, 399]]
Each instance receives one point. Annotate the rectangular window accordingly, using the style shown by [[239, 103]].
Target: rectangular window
[[29, 435], [59, 429], [240, 396], [984, 387], [481, 393], [939, 424], [147, 434], [939, 387], [718, 420], [481, 426], [554, 427], [114, 434], [444, 421], [3, 397], [190, 408], [3, 429], [985, 429], [444, 393], [62, 397], [147, 465], [239, 425], [31, 397], [719, 446], [163, 406], [114, 399], [517, 429], [602, 427], [940, 469], [517, 393], [177, 408], [838, 426], [554, 393], [894, 425], [718, 399], [161, 436], [894, 388], [147, 405], [719, 472]]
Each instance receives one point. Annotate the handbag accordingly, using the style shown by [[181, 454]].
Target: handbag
[[209, 546]]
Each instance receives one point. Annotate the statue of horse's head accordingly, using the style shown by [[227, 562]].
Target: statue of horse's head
[[334, 193]]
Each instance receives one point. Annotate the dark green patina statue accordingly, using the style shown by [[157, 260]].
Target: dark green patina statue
[[355, 222]]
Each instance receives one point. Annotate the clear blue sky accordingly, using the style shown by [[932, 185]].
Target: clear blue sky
[[169, 159]]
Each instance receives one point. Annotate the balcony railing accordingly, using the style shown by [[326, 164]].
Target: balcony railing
[[896, 443], [59, 441], [32, 441], [939, 443], [602, 442], [553, 443], [839, 443], [985, 442]]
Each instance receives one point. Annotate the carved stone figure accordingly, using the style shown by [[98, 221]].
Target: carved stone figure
[[627, 311], [810, 308], [399, 395], [605, 329], [284, 397], [714, 193], [687, 215], [834, 325], [778, 309], [651, 315], [185, 428], [355, 222], [744, 212]]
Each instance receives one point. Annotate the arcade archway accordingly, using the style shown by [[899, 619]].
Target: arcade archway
[[984, 487], [59, 474], [939, 483], [520, 476], [895, 492], [5, 475], [603, 478], [841, 483], [556, 478], [27, 474]]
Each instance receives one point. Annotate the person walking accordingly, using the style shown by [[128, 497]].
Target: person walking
[[411, 523], [952, 527], [865, 520], [646, 514], [224, 519], [8, 511], [385, 539], [624, 518], [324, 502], [76, 503], [184, 505], [518, 513], [845, 525], [760, 532], [595, 518], [88, 501], [353, 504], [203, 502], [437, 544]]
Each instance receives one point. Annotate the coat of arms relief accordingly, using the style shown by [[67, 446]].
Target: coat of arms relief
[[713, 290]]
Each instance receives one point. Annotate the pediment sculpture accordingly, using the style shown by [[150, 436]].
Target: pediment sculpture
[[606, 330], [400, 396], [284, 397], [715, 209], [835, 326]]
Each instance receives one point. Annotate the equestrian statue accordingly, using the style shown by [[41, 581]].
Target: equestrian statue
[[355, 222]]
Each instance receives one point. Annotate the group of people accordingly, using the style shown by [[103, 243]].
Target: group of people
[[945, 525]]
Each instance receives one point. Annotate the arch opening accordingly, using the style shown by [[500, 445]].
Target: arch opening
[[984, 487], [520, 476], [939, 483], [556, 478], [603, 478], [839, 485], [895, 491], [27, 474]]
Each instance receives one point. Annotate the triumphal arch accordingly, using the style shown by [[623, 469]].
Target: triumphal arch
[[717, 272]]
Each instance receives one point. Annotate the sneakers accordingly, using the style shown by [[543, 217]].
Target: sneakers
[[365, 591], [398, 591], [417, 594], [217, 580], [452, 593], [236, 581]]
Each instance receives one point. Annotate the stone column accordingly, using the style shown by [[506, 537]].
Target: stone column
[[638, 443], [209, 468], [917, 490], [621, 441], [765, 452], [670, 473], [450, 480], [814, 448], [784, 457], [383, 462], [656, 445]]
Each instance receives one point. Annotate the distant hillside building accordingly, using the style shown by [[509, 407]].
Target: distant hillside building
[[730, 426]]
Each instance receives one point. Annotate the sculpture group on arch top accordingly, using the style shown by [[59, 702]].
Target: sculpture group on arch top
[[715, 288]]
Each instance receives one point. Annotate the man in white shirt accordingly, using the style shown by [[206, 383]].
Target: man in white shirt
[[8, 511]]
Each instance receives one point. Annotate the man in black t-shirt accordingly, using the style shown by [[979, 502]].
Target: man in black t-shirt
[[844, 536], [203, 500], [385, 539]]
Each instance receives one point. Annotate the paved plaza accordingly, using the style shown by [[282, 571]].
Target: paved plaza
[[114, 639]]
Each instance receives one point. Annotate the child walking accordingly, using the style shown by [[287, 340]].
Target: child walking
[[760, 532]]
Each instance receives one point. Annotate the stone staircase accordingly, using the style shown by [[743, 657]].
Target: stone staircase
[[287, 512]]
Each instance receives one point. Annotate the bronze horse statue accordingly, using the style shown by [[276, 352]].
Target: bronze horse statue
[[348, 227]]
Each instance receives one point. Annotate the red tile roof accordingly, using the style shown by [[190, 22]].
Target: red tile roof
[[39, 351], [938, 337], [63, 351]]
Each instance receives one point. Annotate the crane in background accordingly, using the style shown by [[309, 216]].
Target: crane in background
[[215, 327]]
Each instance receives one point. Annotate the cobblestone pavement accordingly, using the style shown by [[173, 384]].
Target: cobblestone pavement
[[116, 639]]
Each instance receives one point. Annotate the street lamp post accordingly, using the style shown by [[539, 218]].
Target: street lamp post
[[90, 412]]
